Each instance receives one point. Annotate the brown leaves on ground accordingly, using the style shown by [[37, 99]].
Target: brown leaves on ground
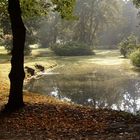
[[47, 118]]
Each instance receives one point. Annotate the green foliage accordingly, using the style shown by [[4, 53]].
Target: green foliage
[[94, 17], [3, 8], [137, 3], [135, 57], [27, 50], [72, 49], [65, 8], [7, 43], [30, 8], [1, 38], [128, 45], [33, 8]]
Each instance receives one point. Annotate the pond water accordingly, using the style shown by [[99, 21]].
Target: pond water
[[85, 81]]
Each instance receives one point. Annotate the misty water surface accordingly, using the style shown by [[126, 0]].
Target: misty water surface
[[101, 81]]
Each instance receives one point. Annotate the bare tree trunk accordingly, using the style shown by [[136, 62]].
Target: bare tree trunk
[[17, 61]]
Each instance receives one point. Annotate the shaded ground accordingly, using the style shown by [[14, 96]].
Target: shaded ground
[[45, 117]]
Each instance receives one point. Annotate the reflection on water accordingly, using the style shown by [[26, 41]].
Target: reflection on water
[[96, 89]]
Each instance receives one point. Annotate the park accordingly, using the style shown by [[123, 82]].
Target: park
[[76, 75]]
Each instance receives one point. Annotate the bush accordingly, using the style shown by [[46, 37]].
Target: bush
[[27, 50], [128, 45], [135, 57], [7, 43], [72, 49]]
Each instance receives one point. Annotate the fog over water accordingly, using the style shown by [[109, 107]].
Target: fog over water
[[92, 81]]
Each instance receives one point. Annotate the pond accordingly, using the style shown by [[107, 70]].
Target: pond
[[100, 82]]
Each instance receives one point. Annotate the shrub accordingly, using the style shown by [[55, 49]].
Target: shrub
[[127, 45], [71, 49], [7, 43], [27, 50], [135, 57]]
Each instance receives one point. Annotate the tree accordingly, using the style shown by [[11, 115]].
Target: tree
[[17, 73], [55, 30], [137, 3], [94, 16], [49, 30], [17, 70], [31, 10]]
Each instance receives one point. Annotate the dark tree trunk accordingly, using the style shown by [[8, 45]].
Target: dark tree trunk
[[17, 61]]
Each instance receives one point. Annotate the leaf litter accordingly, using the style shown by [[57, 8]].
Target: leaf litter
[[46, 118]]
